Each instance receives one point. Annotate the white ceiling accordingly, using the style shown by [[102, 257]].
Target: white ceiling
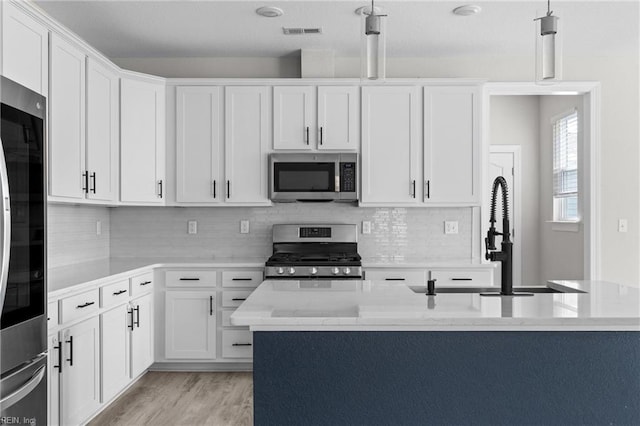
[[122, 29]]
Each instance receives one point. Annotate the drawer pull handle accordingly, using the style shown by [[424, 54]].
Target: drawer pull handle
[[189, 279], [394, 279], [239, 298], [461, 279], [241, 344], [145, 283], [241, 279], [85, 305], [117, 293]]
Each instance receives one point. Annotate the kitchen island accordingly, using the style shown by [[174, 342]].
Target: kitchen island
[[368, 352]]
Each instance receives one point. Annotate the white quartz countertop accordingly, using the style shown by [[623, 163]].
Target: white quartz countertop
[[376, 305], [418, 262]]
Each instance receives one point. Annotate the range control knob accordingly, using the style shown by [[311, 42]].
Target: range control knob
[[335, 271], [280, 271], [346, 271], [314, 270], [292, 271]]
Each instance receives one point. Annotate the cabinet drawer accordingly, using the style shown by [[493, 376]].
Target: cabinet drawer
[[112, 294], [79, 305], [52, 314], [141, 284], [410, 277], [237, 344], [242, 278], [233, 299], [463, 277], [191, 278]]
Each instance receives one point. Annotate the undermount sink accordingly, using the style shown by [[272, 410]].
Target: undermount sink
[[463, 290]]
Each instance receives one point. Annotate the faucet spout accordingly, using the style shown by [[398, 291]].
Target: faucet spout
[[505, 255]]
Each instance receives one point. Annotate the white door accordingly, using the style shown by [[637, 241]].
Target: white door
[[141, 335], [293, 117], [246, 141], [141, 142], [504, 161], [114, 327], [190, 325], [390, 137], [199, 136], [451, 145], [25, 49], [338, 117], [67, 172], [80, 387], [53, 397], [102, 131]]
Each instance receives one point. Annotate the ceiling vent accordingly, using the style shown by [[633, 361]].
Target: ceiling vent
[[301, 31]]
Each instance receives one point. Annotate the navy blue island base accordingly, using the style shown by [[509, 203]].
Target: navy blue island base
[[446, 378]]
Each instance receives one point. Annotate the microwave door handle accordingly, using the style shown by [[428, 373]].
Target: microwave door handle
[[337, 183], [5, 224]]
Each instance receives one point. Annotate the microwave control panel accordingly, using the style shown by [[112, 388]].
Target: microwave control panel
[[347, 177]]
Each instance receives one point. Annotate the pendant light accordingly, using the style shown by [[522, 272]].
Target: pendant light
[[548, 48], [373, 53]]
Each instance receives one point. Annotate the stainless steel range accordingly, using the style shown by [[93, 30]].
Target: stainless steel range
[[314, 252]]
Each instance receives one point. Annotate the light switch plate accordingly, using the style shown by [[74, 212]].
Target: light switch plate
[[366, 227], [244, 226], [98, 227], [623, 225], [193, 227], [450, 227]]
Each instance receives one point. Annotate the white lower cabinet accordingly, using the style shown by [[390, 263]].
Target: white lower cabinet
[[114, 332], [53, 397], [141, 334], [190, 324], [237, 344], [80, 378]]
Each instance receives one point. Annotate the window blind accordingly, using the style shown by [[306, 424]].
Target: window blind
[[565, 167]]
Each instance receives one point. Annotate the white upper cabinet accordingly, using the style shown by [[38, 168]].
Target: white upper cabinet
[[452, 145], [293, 117], [390, 141], [198, 145], [142, 141], [246, 142], [67, 173], [25, 49], [338, 118], [102, 132]]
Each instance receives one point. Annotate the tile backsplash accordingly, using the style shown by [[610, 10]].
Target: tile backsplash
[[396, 234]]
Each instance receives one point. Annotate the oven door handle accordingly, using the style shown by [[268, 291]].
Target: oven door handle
[[5, 225]]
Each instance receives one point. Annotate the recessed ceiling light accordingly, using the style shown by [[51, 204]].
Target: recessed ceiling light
[[467, 10], [270, 11]]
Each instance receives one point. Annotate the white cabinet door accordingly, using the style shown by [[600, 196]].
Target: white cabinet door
[[141, 141], [67, 173], [53, 397], [114, 327], [190, 325], [452, 145], [80, 387], [246, 138], [141, 335], [25, 49], [338, 118], [199, 135], [294, 117], [102, 131], [390, 137]]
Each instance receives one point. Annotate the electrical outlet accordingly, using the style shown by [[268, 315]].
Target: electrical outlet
[[366, 227], [192, 227], [244, 226], [98, 227], [450, 227], [623, 225]]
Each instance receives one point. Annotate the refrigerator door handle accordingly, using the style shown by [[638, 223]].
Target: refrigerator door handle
[[5, 224], [24, 390]]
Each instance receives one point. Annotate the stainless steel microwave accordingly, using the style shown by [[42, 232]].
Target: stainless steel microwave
[[313, 177]]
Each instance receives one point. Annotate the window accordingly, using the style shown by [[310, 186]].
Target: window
[[565, 168]]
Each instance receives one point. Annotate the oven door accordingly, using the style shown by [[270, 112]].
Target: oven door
[[303, 177]]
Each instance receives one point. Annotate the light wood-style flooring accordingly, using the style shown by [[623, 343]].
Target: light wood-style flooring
[[183, 398]]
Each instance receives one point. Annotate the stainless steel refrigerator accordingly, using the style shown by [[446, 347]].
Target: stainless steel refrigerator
[[23, 353]]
